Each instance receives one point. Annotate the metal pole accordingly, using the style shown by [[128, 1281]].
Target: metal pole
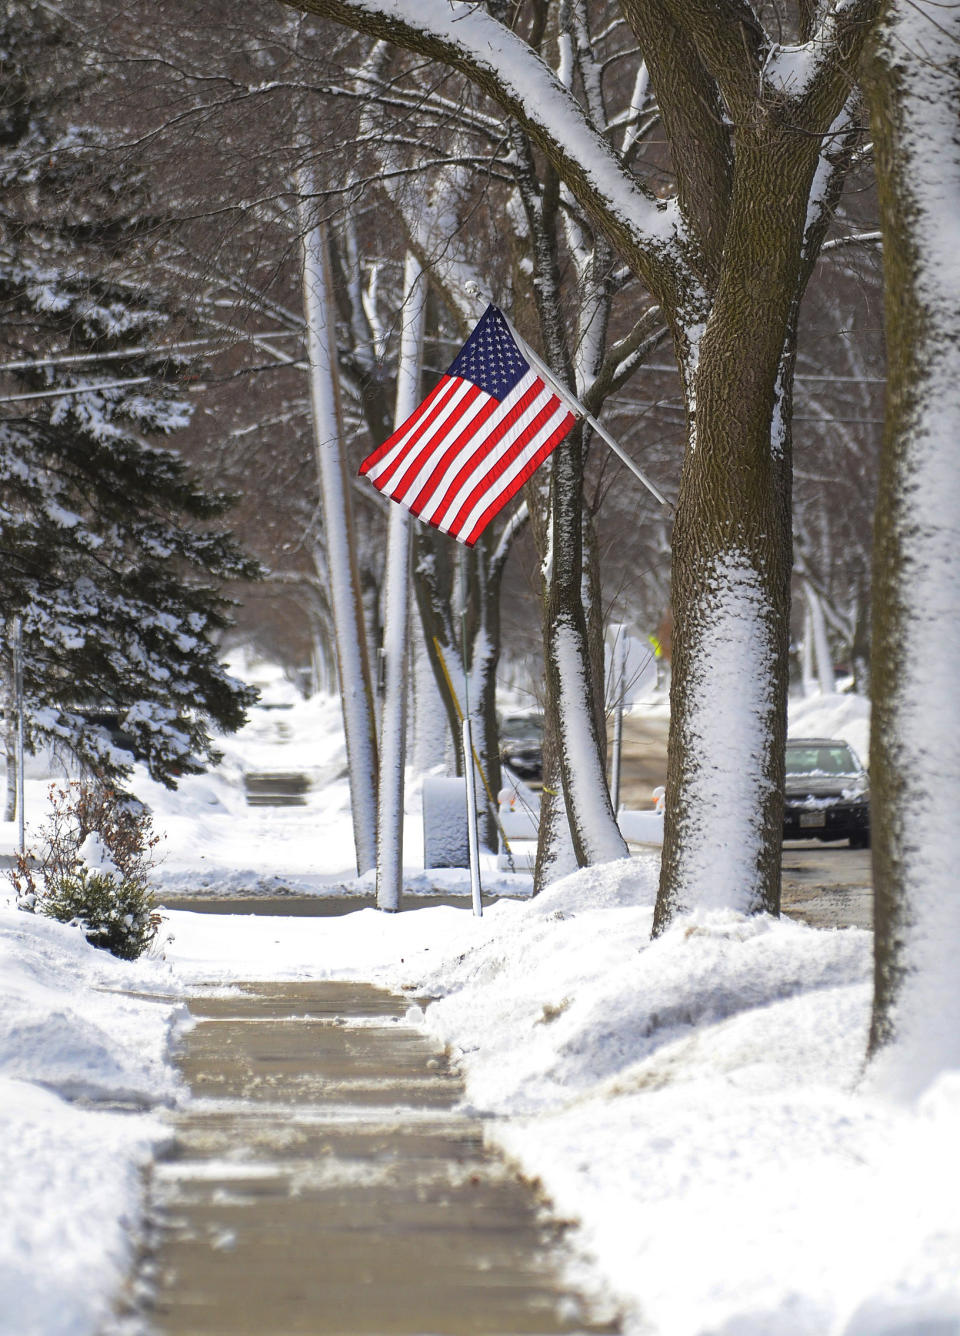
[[491, 800], [472, 839], [579, 408], [619, 669], [571, 399], [469, 775], [18, 694]]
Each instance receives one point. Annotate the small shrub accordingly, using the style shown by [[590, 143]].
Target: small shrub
[[117, 916], [93, 868]]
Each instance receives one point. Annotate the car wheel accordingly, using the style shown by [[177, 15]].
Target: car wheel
[[861, 840]]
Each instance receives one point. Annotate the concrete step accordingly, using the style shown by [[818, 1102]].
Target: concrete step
[[276, 788]]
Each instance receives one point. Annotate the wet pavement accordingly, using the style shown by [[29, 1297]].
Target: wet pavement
[[827, 885], [322, 1180], [314, 906], [643, 763]]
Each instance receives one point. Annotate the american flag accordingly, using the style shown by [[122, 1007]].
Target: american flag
[[476, 438]]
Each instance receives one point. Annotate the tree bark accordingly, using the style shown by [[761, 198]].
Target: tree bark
[[732, 554], [913, 80], [570, 679]]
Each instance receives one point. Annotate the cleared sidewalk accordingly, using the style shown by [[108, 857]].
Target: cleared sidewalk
[[322, 1181]]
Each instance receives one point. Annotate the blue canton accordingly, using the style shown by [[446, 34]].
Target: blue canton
[[490, 357]]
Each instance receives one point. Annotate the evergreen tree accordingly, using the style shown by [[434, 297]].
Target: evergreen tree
[[107, 552]]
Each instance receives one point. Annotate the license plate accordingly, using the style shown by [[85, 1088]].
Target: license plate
[[809, 819]]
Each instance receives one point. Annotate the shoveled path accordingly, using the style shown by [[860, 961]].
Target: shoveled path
[[321, 1181]]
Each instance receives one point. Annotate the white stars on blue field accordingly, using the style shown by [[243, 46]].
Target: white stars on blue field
[[490, 357]]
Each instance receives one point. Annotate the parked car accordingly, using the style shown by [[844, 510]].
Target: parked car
[[827, 793], [521, 746]]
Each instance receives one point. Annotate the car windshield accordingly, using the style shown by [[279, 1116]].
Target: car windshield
[[833, 758], [522, 728]]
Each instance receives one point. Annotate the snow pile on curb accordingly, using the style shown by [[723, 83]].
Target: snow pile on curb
[[692, 1101], [83, 1073], [840, 715]]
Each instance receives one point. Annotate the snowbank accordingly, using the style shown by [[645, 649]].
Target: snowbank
[[83, 1073], [692, 1101], [839, 715], [213, 843]]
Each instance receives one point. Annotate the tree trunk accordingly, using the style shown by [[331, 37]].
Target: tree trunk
[[444, 636], [556, 856], [433, 585], [806, 653], [9, 743], [570, 680], [913, 73], [824, 661], [483, 649], [732, 556], [353, 667], [396, 599], [860, 649]]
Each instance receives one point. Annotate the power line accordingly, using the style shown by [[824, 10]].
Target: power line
[[76, 389], [71, 359]]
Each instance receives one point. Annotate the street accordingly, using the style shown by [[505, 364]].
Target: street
[[825, 885]]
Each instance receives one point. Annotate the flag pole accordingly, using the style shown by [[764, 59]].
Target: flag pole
[[469, 776], [474, 290]]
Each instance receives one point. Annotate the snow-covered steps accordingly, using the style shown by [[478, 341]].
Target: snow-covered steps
[[322, 1180], [276, 788]]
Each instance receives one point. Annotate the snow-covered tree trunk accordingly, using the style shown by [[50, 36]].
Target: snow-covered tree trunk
[[724, 813], [556, 856], [353, 669], [826, 678], [732, 548], [571, 687], [732, 553], [913, 74], [430, 729], [393, 727], [573, 700], [9, 742], [807, 675]]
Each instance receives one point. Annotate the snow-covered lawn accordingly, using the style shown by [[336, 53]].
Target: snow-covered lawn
[[692, 1101]]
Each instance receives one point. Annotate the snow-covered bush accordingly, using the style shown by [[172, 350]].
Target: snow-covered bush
[[116, 915], [92, 868]]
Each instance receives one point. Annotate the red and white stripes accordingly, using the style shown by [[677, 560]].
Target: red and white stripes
[[462, 455]]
